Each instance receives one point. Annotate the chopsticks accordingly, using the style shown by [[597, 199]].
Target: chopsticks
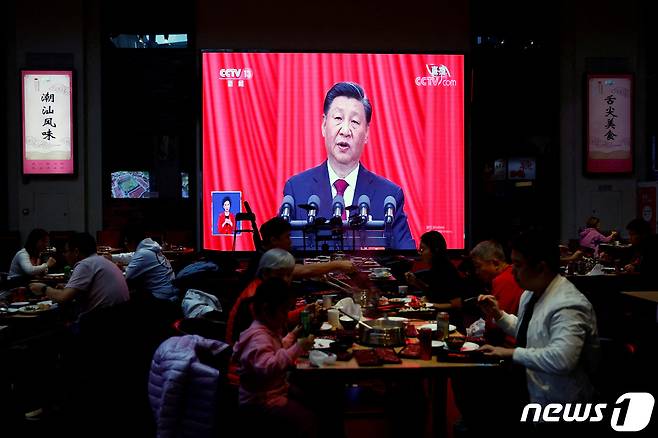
[[354, 318], [340, 285]]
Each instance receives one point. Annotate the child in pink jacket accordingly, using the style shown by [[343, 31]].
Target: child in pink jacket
[[264, 359]]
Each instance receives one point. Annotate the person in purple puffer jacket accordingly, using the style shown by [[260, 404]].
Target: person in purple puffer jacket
[[265, 357], [591, 236]]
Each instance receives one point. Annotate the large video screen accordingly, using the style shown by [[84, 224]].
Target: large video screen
[[393, 132]]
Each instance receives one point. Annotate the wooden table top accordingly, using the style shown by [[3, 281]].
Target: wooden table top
[[649, 295]]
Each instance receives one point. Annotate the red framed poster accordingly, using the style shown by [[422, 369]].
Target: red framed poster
[[47, 121], [609, 147]]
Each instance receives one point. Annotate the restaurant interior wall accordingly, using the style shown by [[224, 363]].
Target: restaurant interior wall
[[43, 36], [162, 86], [601, 37], [149, 116], [74, 29], [514, 113]]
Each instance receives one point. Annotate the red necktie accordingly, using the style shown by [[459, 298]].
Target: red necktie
[[341, 185]]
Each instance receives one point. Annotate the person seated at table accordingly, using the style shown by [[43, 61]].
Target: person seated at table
[[265, 356], [645, 245], [95, 282], [25, 263], [275, 263], [567, 256], [276, 234], [508, 387], [441, 283], [591, 237], [492, 268], [556, 331], [148, 269]]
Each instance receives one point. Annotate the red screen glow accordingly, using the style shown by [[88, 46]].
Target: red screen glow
[[262, 117]]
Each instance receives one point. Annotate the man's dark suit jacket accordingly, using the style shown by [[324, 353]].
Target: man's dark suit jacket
[[315, 181]]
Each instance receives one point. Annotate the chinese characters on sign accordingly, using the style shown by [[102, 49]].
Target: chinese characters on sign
[[47, 122], [609, 133]]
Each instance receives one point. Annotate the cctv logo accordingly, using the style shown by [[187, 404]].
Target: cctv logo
[[438, 75], [631, 413], [230, 75]]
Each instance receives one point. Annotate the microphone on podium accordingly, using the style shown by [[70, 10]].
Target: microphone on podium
[[286, 207], [312, 206], [389, 209], [337, 208], [364, 207]]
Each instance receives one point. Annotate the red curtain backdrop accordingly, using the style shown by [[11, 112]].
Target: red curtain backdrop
[[262, 125]]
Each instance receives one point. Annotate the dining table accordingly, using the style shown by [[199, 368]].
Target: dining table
[[433, 373]]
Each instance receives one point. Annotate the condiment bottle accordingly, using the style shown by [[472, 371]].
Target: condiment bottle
[[442, 326]]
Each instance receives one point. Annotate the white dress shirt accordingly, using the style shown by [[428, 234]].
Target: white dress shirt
[[348, 196]]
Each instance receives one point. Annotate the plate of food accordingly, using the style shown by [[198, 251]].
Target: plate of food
[[394, 318], [36, 308], [322, 344], [370, 262], [469, 346], [438, 344], [381, 274]]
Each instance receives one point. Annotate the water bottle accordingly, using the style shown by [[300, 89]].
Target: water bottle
[[306, 323]]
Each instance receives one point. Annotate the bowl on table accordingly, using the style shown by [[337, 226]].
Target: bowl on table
[[347, 323], [455, 342]]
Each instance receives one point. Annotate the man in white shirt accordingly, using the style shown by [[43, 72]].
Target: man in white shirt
[[556, 330]]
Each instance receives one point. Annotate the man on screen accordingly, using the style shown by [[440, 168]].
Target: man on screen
[[345, 127]]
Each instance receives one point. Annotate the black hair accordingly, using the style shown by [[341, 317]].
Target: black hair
[[32, 239], [436, 243], [639, 226], [226, 198], [351, 90], [271, 294], [592, 222], [273, 228], [536, 248], [84, 242]]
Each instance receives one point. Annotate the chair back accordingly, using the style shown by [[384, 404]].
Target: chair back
[[249, 217]]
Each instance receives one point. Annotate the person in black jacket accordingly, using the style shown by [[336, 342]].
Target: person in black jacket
[[441, 283]]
